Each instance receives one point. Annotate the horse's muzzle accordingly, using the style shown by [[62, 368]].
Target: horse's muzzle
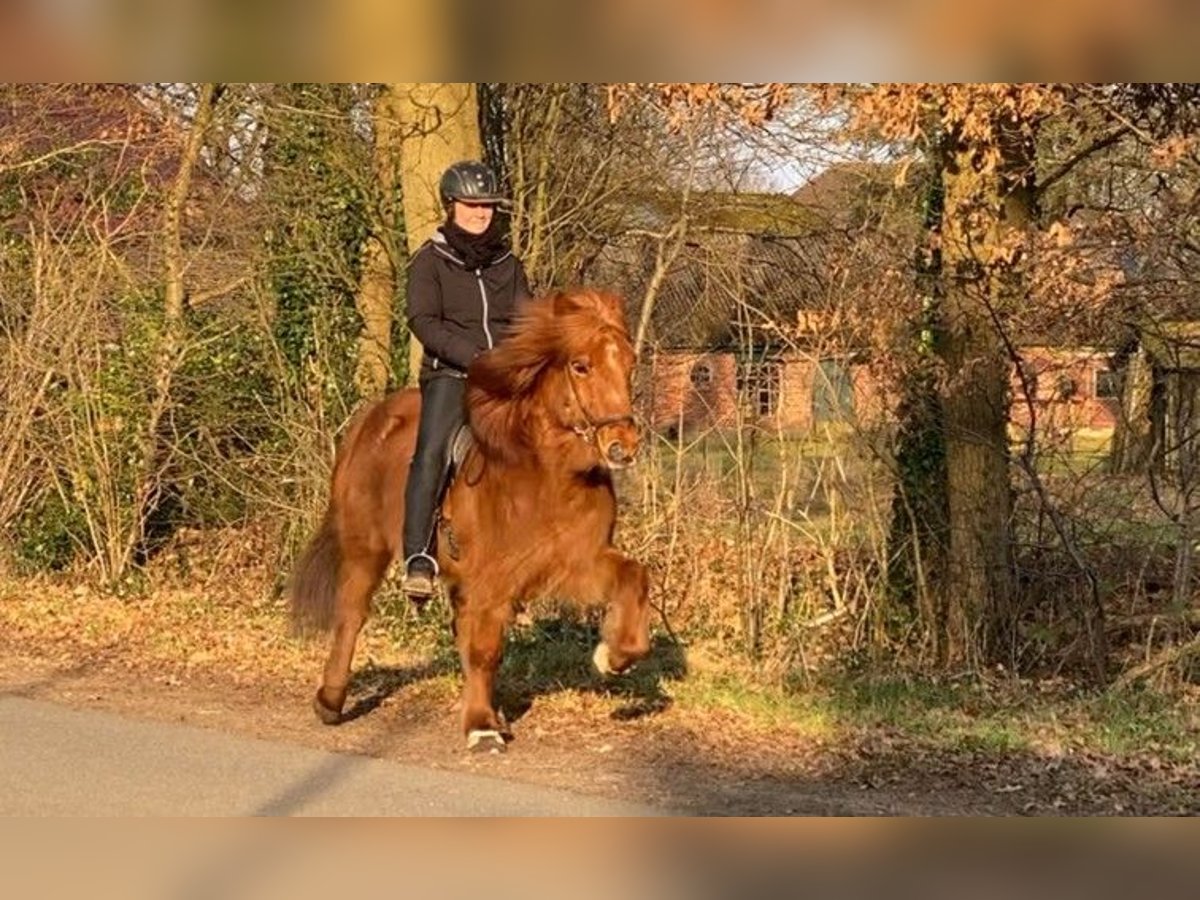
[[621, 447], [617, 456]]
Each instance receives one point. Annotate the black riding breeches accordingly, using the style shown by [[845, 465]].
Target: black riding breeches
[[442, 412]]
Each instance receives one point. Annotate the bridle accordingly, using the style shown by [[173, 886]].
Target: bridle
[[591, 425]]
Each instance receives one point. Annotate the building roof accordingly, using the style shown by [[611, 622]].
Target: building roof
[[722, 290], [753, 264]]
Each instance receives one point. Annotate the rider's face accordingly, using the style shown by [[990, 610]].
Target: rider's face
[[473, 218]]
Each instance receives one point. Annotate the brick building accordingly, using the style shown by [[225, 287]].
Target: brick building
[[1071, 389], [744, 325], [747, 326]]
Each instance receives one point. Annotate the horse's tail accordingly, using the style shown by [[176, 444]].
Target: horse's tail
[[312, 588]]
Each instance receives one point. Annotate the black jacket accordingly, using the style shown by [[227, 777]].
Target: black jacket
[[456, 312]]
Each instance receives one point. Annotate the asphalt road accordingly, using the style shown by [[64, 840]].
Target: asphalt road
[[57, 761]]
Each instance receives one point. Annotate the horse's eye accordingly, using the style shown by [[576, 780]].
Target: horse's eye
[[580, 366]]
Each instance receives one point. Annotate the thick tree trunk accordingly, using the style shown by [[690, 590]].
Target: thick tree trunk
[[439, 125], [977, 594], [981, 208], [1133, 437], [376, 298], [530, 173], [1183, 466]]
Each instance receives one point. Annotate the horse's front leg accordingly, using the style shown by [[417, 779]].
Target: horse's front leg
[[625, 635], [479, 632]]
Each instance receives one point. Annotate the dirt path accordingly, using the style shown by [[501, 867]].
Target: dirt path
[[222, 663], [715, 765]]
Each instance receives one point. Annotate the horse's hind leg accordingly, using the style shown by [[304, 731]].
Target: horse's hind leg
[[625, 636], [357, 580], [480, 637]]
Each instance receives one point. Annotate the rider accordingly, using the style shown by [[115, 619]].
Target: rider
[[464, 284]]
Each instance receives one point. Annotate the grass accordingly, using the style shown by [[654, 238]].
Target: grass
[[1007, 716], [946, 714], [1131, 721], [996, 717], [763, 706], [925, 712]]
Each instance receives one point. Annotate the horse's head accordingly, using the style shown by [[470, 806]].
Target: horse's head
[[592, 384], [569, 362]]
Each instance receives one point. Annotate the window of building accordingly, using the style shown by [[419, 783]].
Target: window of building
[[1108, 383], [758, 383], [833, 391]]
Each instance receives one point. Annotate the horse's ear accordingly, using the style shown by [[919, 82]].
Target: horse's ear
[[615, 303], [609, 307], [566, 302]]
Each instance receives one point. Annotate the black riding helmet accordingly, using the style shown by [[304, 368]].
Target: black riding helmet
[[471, 182]]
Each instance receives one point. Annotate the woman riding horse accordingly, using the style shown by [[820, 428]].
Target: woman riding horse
[[464, 284], [531, 513]]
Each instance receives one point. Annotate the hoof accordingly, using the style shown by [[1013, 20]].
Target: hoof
[[482, 740], [324, 713], [602, 660]]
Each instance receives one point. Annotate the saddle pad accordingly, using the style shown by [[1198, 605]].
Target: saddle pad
[[460, 444]]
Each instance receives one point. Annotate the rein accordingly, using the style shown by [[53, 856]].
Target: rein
[[591, 425]]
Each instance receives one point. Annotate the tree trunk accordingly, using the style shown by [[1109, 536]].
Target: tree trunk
[[531, 178], [1133, 437], [176, 202], [982, 207], [439, 125], [154, 451], [1183, 467], [376, 298]]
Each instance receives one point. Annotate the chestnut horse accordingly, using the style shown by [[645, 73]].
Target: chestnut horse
[[530, 513]]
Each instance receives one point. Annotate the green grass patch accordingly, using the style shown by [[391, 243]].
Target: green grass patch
[[763, 705], [966, 714], [1140, 721], [948, 714], [1016, 716]]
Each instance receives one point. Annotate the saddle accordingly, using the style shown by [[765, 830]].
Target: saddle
[[460, 445]]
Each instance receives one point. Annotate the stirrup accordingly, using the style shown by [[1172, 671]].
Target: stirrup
[[423, 555], [419, 586]]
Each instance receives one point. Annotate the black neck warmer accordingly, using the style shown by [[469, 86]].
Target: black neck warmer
[[476, 250]]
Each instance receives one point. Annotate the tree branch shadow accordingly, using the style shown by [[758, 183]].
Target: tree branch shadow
[[553, 655], [371, 685], [546, 657]]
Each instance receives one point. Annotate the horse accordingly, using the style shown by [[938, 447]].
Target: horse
[[529, 513]]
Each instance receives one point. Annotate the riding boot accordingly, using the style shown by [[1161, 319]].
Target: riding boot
[[441, 415]]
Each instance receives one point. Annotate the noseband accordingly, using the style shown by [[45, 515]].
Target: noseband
[[592, 425]]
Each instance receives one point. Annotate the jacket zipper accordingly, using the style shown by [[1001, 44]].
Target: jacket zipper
[[483, 294]]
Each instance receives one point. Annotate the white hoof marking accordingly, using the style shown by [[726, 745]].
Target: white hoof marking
[[479, 735], [601, 660]]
